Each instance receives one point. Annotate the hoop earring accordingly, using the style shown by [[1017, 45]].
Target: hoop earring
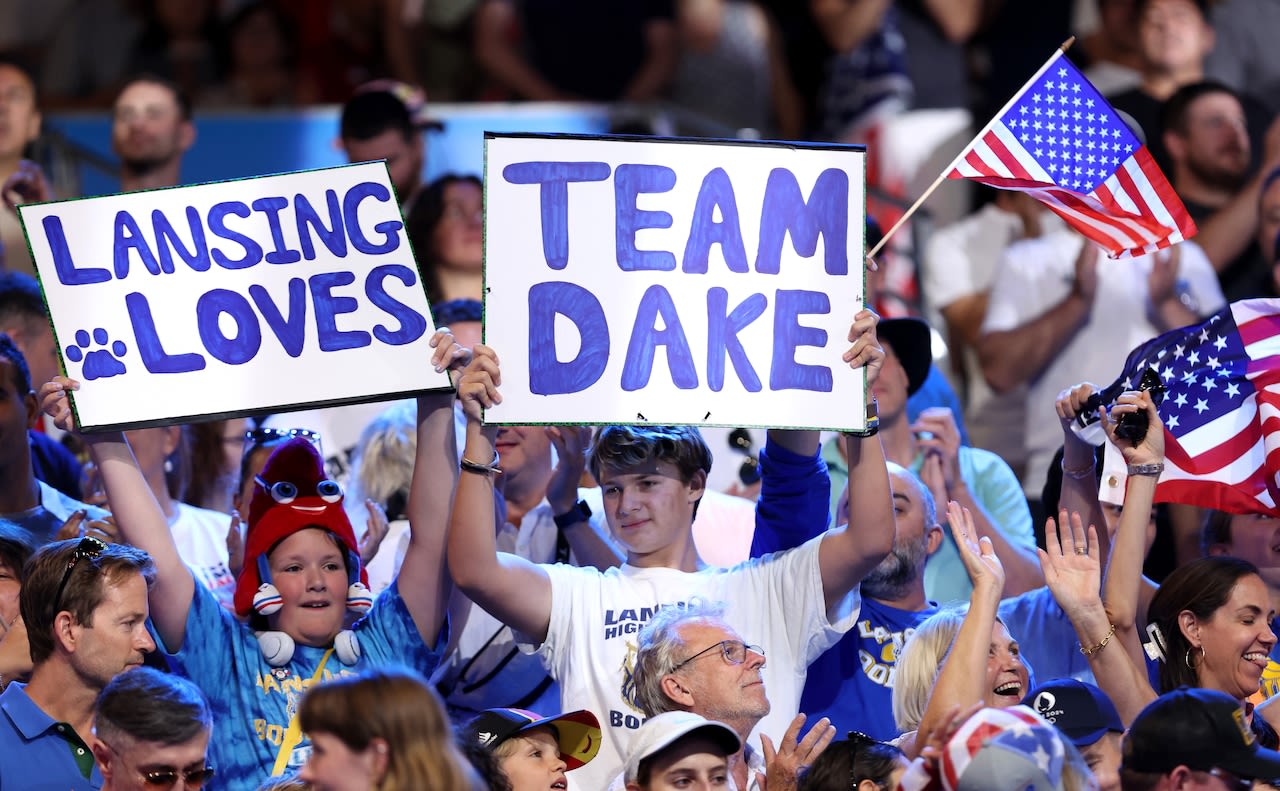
[[1187, 658]]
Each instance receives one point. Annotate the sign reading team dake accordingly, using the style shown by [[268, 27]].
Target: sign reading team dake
[[232, 298], [633, 280]]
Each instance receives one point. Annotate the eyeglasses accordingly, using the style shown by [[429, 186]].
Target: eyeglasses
[[1232, 780], [733, 651], [257, 437], [88, 549]]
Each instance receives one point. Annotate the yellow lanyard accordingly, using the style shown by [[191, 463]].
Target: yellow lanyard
[[294, 734]]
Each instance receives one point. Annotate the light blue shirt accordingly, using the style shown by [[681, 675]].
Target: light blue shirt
[[992, 484], [253, 702]]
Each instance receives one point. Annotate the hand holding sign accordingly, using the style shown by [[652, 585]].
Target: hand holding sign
[[54, 403], [478, 387], [866, 349]]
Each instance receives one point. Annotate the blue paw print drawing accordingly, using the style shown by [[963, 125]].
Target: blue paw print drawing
[[98, 363]]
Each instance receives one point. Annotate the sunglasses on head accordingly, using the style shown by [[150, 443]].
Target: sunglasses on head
[[88, 549], [256, 438]]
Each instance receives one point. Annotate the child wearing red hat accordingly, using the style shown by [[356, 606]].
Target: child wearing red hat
[[301, 585]]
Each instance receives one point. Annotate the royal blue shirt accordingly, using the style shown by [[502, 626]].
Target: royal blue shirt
[[852, 683], [38, 753]]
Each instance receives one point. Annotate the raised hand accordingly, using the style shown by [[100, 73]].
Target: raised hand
[[55, 403], [1072, 568], [866, 349], [571, 444], [978, 554], [1151, 449], [449, 354], [375, 530], [478, 386], [942, 441], [784, 763]]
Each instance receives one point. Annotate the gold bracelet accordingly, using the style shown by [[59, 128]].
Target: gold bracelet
[[1099, 646]]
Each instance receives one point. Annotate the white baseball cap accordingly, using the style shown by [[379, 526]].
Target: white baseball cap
[[661, 731]]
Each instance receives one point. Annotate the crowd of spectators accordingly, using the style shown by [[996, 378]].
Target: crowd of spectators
[[963, 591]]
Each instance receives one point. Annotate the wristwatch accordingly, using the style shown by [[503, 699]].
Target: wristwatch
[[580, 512]]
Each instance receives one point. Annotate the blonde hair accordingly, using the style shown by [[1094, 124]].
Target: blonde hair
[[382, 462], [918, 664], [398, 707]]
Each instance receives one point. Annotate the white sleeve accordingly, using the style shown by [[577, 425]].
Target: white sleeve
[[1029, 280], [947, 268], [1195, 268]]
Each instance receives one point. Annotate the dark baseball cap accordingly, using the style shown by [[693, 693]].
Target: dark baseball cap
[[577, 732], [912, 343], [1201, 729], [1081, 711]]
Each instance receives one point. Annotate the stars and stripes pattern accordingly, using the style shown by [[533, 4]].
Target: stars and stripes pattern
[[1010, 748], [1221, 409], [1059, 141]]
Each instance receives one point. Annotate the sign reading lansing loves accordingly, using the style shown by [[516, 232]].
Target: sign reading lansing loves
[[674, 281], [235, 297]]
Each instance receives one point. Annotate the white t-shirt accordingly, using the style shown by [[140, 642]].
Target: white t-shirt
[[960, 261], [776, 601], [1035, 275], [201, 537]]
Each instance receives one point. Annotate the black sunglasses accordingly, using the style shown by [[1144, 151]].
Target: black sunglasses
[[167, 778], [88, 549]]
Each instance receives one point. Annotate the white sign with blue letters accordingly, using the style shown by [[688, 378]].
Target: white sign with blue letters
[[633, 280], [234, 298]]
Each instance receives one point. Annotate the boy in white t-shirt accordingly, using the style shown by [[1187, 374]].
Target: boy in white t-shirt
[[583, 622]]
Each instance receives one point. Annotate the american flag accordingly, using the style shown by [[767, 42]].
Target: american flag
[[1059, 141], [1221, 409]]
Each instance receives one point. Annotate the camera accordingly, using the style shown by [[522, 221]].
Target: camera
[[1132, 426]]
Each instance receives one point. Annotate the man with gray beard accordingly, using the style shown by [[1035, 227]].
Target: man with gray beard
[[852, 683]]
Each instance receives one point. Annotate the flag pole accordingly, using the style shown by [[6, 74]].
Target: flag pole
[[942, 177]]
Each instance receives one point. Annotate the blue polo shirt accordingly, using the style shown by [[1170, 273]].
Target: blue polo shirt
[[39, 753]]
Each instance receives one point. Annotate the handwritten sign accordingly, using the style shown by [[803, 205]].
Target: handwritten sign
[[671, 281], [234, 298]]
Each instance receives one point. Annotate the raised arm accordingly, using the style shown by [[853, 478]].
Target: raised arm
[[137, 515], [1079, 492], [1122, 588], [962, 677], [849, 553], [512, 589], [423, 580], [588, 548], [1073, 572]]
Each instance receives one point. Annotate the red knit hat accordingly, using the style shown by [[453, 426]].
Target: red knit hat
[[292, 493]]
